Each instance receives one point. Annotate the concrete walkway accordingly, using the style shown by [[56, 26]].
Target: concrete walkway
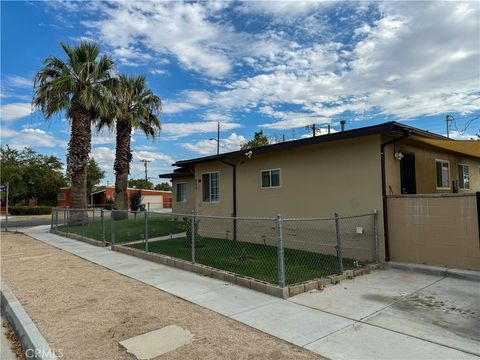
[[343, 324]]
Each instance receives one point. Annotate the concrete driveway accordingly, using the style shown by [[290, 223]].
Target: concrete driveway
[[401, 313]]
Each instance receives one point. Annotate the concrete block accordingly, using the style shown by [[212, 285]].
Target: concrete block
[[207, 272], [230, 278], [277, 291], [358, 272], [296, 289], [188, 266], [220, 275], [197, 268], [311, 285], [258, 286], [348, 274], [323, 282], [156, 343], [243, 282]]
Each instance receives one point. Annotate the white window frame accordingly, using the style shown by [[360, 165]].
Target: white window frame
[[270, 174], [436, 175], [176, 192], [63, 195], [218, 187], [461, 175]]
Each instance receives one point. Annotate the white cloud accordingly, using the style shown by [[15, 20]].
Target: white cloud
[[458, 135], [176, 107], [216, 117], [152, 156], [283, 8], [176, 130], [194, 33], [15, 111], [206, 147], [104, 137], [105, 157], [389, 69], [7, 133], [19, 82], [33, 137]]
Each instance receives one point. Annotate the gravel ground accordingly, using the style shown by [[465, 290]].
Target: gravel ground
[[83, 310]]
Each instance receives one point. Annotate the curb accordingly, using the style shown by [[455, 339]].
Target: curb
[[78, 237], [245, 281], [33, 342], [436, 270]]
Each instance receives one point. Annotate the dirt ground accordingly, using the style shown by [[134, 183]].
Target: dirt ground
[[83, 310]]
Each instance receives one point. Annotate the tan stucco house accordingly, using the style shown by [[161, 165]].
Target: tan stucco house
[[350, 172]]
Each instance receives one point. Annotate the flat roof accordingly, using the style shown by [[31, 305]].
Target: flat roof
[[391, 127]]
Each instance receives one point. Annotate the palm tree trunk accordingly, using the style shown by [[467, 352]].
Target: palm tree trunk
[[78, 155], [123, 157]]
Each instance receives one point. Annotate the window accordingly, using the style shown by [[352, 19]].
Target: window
[[271, 178], [182, 192], [443, 174], [210, 187], [61, 196], [464, 177]]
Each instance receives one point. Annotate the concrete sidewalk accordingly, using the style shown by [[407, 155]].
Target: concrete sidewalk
[[337, 331]]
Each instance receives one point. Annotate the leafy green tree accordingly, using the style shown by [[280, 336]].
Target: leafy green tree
[[259, 139], [80, 87], [140, 184], [135, 107], [94, 175], [31, 175], [163, 187]]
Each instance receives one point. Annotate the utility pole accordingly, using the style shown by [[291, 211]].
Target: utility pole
[[145, 164], [314, 130], [448, 119], [218, 138]]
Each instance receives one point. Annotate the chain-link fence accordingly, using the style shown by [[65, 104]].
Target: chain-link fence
[[276, 250]]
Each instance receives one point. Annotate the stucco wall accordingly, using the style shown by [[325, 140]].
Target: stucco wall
[[425, 170], [316, 181], [434, 230], [188, 206]]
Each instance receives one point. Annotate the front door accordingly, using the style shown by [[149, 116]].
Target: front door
[[407, 174]]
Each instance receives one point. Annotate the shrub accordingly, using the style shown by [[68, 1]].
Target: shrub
[[135, 199], [30, 210]]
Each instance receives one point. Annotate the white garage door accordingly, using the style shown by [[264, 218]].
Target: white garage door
[[156, 201]]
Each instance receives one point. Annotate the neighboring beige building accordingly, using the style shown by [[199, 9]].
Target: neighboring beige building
[[343, 172]]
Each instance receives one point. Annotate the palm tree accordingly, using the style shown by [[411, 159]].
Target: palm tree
[[136, 107], [80, 87]]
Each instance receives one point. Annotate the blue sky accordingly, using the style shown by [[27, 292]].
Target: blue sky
[[275, 66]]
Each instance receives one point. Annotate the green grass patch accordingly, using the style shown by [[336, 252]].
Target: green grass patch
[[128, 229], [254, 260]]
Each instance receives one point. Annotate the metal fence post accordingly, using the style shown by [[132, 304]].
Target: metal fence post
[[280, 252], [146, 231], [339, 243], [56, 219], [192, 229], [102, 227], [112, 230], [53, 212], [375, 235]]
